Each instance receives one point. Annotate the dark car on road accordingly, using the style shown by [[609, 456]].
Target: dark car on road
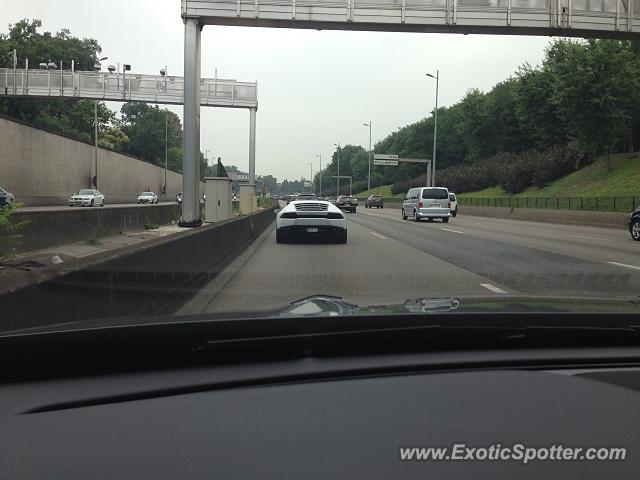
[[374, 201], [348, 203], [634, 224]]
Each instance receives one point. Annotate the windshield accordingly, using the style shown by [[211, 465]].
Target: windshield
[[382, 108], [435, 193]]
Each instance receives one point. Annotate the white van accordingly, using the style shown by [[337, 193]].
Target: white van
[[427, 202]]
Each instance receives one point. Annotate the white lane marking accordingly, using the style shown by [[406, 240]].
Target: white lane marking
[[449, 230], [378, 235], [398, 219], [493, 288], [584, 236], [624, 265]]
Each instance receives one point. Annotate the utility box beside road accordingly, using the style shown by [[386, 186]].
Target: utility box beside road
[[218, 205]]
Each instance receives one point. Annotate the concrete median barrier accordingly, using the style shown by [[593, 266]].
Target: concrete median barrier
[[150, 278], [578, 217], [58, 227]]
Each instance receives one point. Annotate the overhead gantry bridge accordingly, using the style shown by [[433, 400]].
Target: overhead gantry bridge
[[160, 89]]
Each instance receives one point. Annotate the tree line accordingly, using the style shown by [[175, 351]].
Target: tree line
[[543, 122]]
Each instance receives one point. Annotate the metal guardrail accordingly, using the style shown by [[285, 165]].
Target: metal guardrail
[[613, 18], [596, 204], [124, 88]]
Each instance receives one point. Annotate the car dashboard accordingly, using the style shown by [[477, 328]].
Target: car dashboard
[[325, 416]]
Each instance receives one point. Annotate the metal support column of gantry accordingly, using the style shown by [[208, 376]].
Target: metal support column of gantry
[[191, 159], [252, 154]]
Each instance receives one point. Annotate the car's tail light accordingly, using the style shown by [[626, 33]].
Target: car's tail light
[[335, 215], [449, 205], [289, 215], [420, 205]]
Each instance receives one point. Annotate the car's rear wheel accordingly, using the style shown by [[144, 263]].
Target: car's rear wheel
[[415, 216], [342, 238], [445, 220], [279, 237], [404, 217], [91, 204], [102, 204], [635, 229]]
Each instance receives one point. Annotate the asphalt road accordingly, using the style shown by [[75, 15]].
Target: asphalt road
[[56, 208], [389, 260]]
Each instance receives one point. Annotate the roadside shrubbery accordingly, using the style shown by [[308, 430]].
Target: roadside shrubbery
[[9, 231], [512, 171]]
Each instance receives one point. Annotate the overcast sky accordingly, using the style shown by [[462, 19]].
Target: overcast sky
[[315, 88]]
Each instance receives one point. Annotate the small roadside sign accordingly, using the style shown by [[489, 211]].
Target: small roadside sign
[[393, 163], [382, 156]]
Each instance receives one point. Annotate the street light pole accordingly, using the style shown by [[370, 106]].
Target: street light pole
[[369, 177], [97, 68], [312, 187], [435, 130], [95, 133], [338, 191], [320, 173], [166, 150]]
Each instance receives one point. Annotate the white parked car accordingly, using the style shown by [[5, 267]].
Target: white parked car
[[87, 198], [311, 220], [6, 198], [148, 197]]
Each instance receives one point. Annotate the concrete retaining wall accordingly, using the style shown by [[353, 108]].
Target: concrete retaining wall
[[155, 277], [50, 228], [579, 217], [42, 168]]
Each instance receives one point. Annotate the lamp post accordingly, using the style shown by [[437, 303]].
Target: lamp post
[[163, 73], [338, 190], [435, 129], [97, 67], [320, 173], [166, 150], [369, 176], [311, 167]]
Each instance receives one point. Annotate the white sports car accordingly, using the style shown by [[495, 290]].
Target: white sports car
[[311, 220]]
